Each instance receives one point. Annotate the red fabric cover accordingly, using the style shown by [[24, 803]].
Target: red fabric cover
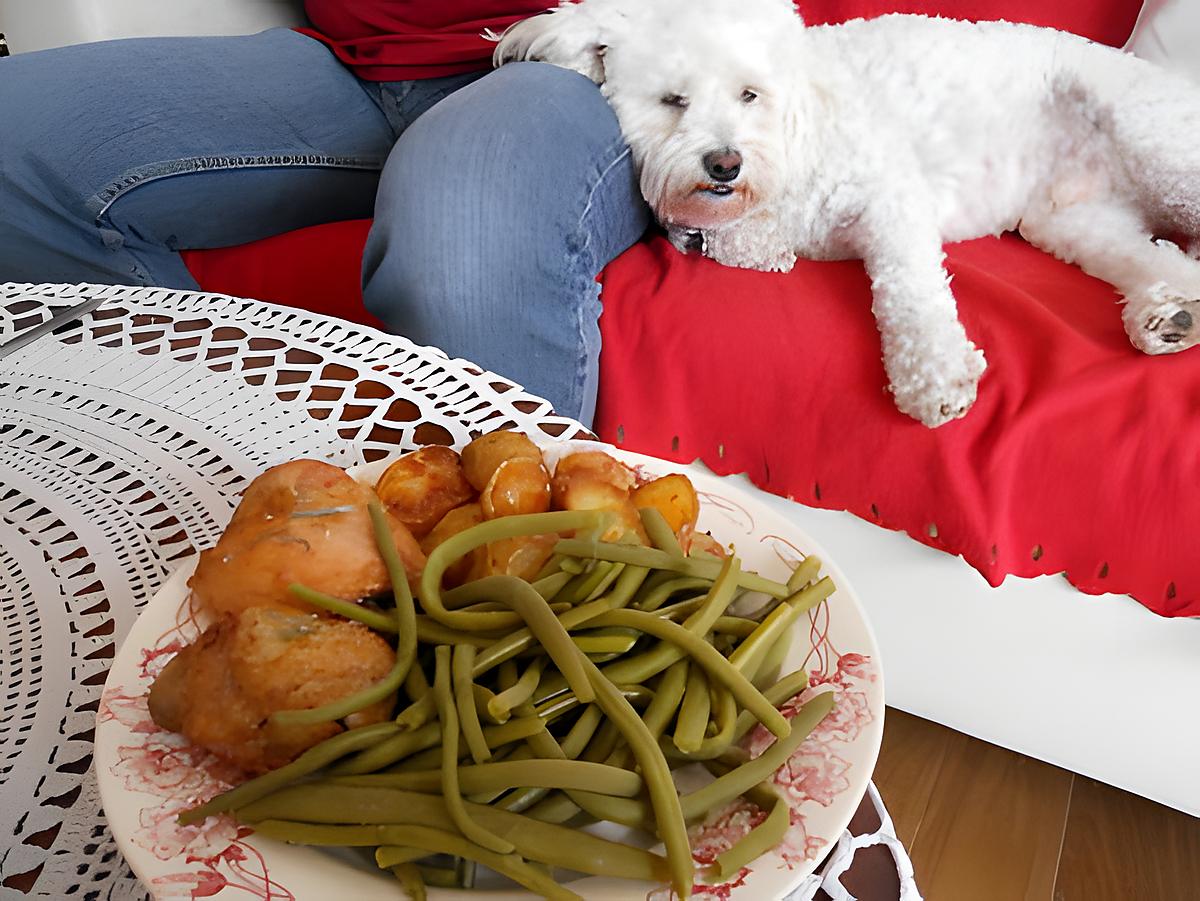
[[1107, 21], [1081, 454], [317, 268], [397, 40]]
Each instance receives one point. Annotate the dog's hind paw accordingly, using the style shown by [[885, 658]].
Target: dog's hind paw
[[938, 391], [1163, 325]]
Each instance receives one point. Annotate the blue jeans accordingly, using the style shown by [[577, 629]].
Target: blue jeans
[[497, 197]]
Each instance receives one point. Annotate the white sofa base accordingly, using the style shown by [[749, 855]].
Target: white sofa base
[[1097, 685]]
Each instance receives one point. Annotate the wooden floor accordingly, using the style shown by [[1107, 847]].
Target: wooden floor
[[985, 824]]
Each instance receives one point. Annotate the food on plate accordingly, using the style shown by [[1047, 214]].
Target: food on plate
[[592, 480], [422, 487], [558, 664], [301, 522], [221, 690]]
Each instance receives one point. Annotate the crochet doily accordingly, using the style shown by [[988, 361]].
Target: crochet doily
[[125, 442]]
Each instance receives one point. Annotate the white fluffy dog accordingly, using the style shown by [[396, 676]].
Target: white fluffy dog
[[759, 140]]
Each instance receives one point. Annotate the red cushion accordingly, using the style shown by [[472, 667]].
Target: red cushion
[[317, 269], [1081, 454]]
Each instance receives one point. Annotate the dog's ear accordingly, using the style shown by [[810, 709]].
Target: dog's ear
[[572, 36]]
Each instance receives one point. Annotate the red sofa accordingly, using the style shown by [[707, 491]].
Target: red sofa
[[1081, 455]]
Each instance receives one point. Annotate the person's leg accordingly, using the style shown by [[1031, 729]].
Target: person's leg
[[496, 211], [113, 156]]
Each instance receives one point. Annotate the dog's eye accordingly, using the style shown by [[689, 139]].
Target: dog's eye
[[676, 100], [749, 96]]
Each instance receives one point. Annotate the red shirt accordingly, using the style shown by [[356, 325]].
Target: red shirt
[[398, 40]]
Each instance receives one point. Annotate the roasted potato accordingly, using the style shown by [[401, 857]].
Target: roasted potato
[[483, 456], [422, 487], [304, 521], [592, 480], [675, 498], [522, 557], [473, 565], [520, 485]]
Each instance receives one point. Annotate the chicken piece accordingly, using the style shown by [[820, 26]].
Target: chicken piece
[[220, 691], [306, 522]]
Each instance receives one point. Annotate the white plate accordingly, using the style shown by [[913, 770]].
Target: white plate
[[147, 776]]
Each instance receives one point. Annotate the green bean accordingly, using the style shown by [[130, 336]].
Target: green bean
[[630, 812], [521, 691], [571, 565], [464, 871], [659, 596], [667, 696], [759, 840], [430, 631], [693, 712], [388, 751], [543, 625], [768, 668], [463, 658], [369, 808], [581, 733], [410, 880], [737, 626], [717, 667], [507, 676], [725, 788], [406, 647], [603, 743], [659, 532], [400, 855], [477, 536], [482, 698], [439, 877], [310, 761], [652, 558], [719, 597], [557, 808], [551, 567], [448, 714], [605, 641], [376, 620], [748, 657], [721, 740], [406, 611], [582, 586], [489, 777], [638, 669], [778, 694], [436, 841], [804, 573], [521, 640], [664, 799], [549, 586], [418, 713]]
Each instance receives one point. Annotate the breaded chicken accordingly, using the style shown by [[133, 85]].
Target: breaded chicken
[[221, 690], [306, 522]]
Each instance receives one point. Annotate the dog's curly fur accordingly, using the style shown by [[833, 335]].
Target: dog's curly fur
[[882, 139]]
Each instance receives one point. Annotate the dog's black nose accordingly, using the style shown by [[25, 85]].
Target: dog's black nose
[[723, 165]]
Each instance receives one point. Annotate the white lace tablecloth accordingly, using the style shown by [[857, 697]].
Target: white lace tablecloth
[[125, 442]]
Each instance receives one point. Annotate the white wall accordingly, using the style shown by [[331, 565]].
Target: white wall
[[38, 24]]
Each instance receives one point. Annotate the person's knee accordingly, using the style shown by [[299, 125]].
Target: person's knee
[[501, 175]]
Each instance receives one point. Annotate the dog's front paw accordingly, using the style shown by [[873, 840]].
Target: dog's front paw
[[935, 388], [1162, 322]]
